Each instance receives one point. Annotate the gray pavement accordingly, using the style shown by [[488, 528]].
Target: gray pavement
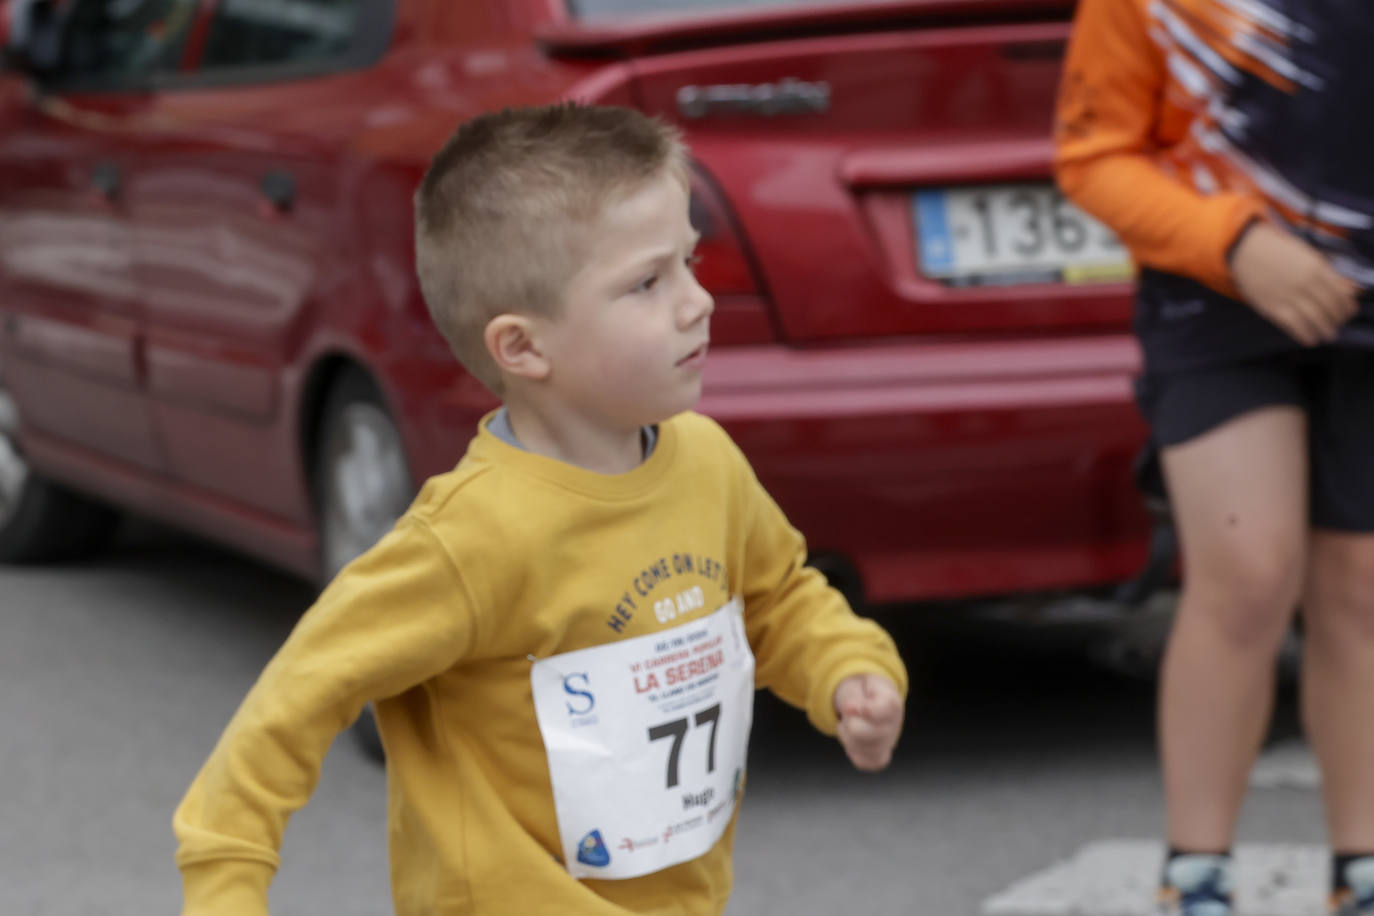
[[1020, 760]]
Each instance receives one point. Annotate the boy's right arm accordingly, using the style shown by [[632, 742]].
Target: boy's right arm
[[1110, 99], [394, 618]]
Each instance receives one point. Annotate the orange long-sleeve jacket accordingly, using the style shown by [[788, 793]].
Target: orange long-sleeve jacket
[[1125, 147], [1180, 121]]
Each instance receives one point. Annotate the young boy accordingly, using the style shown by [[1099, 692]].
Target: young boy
[[563, 635], [1226, 142]]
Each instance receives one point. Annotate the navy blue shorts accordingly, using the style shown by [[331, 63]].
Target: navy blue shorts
[[1333, 385]]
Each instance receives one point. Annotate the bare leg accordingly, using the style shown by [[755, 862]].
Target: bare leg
[[1239, 495], [1338, 682]]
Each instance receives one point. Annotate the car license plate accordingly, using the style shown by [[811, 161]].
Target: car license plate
[[1011, 234]]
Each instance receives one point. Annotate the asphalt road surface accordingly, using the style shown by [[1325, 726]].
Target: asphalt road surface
[[1025, 784]]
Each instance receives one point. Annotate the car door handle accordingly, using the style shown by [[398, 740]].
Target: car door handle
[[106, 178], [278, 190]]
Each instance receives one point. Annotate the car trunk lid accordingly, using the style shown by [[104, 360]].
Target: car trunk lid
[[850, 142]]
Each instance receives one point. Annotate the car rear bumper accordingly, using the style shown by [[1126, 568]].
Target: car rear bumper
[[948, 469]]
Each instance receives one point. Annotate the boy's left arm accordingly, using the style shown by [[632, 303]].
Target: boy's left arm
[[810, 648]]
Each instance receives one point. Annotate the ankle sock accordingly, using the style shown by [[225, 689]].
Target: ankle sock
[[1189, 871], [1340, 869]]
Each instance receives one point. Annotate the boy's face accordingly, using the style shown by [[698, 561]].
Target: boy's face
[[629, 344]]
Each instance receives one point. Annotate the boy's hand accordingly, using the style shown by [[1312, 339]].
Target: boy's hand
[[1289, 282], [870, 711]]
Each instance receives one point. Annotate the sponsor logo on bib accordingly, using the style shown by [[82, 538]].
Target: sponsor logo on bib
[[592, 850]]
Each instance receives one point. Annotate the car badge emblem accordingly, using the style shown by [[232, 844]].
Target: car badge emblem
[[789, 96]]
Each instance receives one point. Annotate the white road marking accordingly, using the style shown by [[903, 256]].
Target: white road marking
[[1119, 878], [1287, 765]]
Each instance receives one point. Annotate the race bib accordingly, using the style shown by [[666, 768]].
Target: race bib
[[646, 740]]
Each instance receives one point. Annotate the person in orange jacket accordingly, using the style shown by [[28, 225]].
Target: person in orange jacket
[[1227, 143]]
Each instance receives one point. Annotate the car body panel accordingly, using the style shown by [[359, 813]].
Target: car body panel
[[976, 467], [230, 282], [73, 316]]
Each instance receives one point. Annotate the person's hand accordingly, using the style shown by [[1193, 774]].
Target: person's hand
[[1289, 282], [870, 711]]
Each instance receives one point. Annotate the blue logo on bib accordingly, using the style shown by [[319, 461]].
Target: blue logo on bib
[[592, 850]]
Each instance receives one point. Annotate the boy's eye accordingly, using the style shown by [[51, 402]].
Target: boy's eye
[[649, 282]]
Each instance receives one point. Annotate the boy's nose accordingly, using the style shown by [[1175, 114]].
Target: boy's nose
[[698, 304]]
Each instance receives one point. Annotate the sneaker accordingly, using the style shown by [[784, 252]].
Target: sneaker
[[1196, 885], [1357, 897]]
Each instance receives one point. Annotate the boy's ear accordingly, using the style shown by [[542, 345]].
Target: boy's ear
[[511, 341]]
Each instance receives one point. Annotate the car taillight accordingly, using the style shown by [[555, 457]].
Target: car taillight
[[724, 269]]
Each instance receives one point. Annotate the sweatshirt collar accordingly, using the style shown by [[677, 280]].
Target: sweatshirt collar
[[488, 446]]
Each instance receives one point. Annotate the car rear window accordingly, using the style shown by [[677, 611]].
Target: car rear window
[[612, 9], [116, 39], [247, 33]]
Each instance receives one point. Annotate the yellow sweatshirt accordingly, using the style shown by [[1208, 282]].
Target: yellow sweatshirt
[[509, 558]]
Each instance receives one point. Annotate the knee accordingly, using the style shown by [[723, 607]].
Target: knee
[[1340, 600], [1251, 596]]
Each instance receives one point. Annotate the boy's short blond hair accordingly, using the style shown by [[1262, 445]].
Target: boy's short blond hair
[[504, 214]]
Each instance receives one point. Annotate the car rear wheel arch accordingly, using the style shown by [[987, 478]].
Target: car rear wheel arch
[[341, 392], [40, 519]]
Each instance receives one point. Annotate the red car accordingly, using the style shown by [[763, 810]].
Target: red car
[[208, 312]]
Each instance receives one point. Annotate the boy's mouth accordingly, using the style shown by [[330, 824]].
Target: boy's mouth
[[696, 357]]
